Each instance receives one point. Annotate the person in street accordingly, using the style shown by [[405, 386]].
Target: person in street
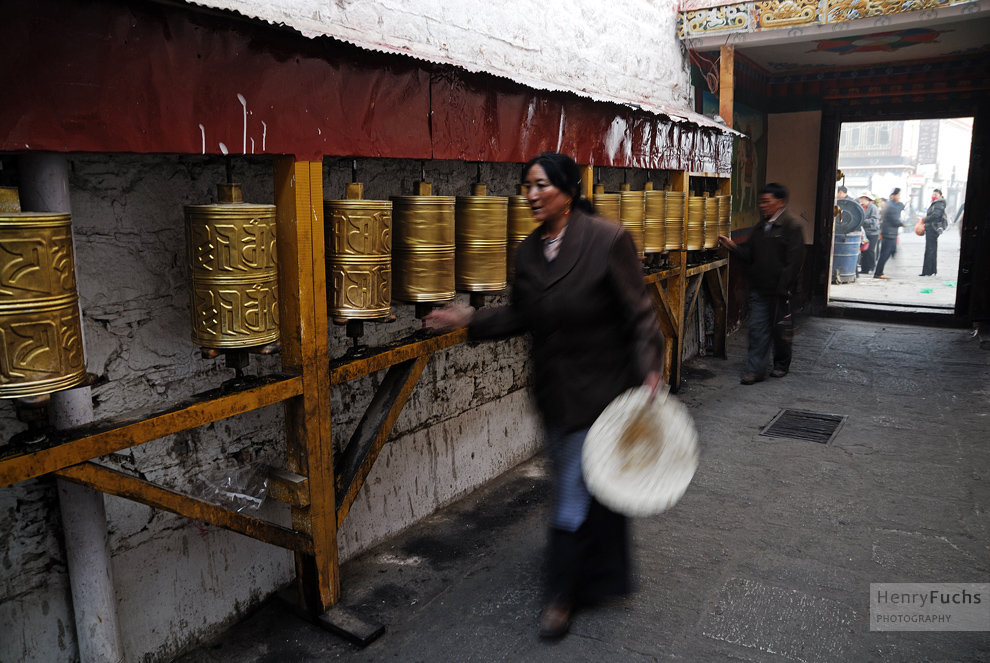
[[579, 292], [841, 192], [936, 222], [775, 250], [890, 225], [871, 230]]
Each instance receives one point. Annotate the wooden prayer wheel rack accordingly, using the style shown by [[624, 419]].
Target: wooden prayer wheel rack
[[318, 485]]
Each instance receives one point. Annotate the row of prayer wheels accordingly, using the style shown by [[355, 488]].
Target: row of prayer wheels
[[421, 248], [657, 220], [417, 249]]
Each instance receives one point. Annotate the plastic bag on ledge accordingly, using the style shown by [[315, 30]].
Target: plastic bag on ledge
[[239, 488]]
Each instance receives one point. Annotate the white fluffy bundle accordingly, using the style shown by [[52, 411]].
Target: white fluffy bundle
[[641, 453]]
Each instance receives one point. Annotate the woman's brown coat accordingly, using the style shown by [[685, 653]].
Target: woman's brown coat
[[594, 330]]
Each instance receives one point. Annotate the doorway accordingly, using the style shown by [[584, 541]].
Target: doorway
[[924, 160]]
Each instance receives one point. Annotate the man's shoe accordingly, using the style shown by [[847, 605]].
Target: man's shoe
[[750, 379], [555, 620], [778, 373], [881, 276]]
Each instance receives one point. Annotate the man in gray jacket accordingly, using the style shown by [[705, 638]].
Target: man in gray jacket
[[890, 224], [775, 250]]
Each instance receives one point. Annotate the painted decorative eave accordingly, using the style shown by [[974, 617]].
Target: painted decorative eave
[[707, 24]]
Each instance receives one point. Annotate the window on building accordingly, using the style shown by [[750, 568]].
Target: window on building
[[883, 135]]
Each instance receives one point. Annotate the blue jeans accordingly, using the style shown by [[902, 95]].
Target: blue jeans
[[767, 325], [571, 499]]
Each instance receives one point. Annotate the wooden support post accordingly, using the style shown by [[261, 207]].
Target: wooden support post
[[675, 296], [726, 70], [588, 181], [305, 338]]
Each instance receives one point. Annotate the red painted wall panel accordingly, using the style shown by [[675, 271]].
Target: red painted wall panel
[[128, 77], [119, 76], [477, 117]]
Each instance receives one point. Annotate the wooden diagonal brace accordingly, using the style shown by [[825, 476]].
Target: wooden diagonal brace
[[665, 316], [373, 429], [692, 299], [117, 483]]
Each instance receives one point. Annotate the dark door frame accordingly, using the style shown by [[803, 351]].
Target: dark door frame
[[973, 288]]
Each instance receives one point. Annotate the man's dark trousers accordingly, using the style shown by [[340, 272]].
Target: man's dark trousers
[[887, 248], [766, 324]]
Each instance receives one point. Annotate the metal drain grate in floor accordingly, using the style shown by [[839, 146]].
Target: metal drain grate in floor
[[801, 425]]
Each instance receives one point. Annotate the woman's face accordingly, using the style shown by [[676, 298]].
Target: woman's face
[[547, 201]]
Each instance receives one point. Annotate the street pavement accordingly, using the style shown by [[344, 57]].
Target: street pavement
[[768, 557], [905, 286]]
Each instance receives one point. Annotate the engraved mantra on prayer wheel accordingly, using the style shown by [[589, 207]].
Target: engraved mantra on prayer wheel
[[632, 208], [674, 220], [481, 238], [654, 237], [694, 225], [711, 223], [521, 226], [606, 204], [724, 215], [231, 253], [423, 248], [359, 255], [40, 328]]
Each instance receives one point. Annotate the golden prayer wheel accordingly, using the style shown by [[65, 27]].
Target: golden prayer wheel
[[359, 256], [10, 200], [40, 327], [724, 215], [423, 247], [654, 211], [607, 205], [521, 225], [694, 224], [674, 220], [711, 223], [481, 241], [230, 248], [632, 209]]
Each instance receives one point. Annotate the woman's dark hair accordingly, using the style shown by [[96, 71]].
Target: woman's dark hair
[[563, 173], [778, 191]]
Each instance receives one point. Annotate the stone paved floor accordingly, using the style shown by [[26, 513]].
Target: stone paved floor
[[768, 557]]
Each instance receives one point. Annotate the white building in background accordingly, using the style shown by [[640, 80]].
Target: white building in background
[[916, 156]]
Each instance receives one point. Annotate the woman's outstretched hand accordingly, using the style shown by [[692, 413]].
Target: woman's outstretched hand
[[451, 317]]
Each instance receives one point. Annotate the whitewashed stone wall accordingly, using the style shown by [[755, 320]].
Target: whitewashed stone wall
[[179, 583], [623, 50]]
